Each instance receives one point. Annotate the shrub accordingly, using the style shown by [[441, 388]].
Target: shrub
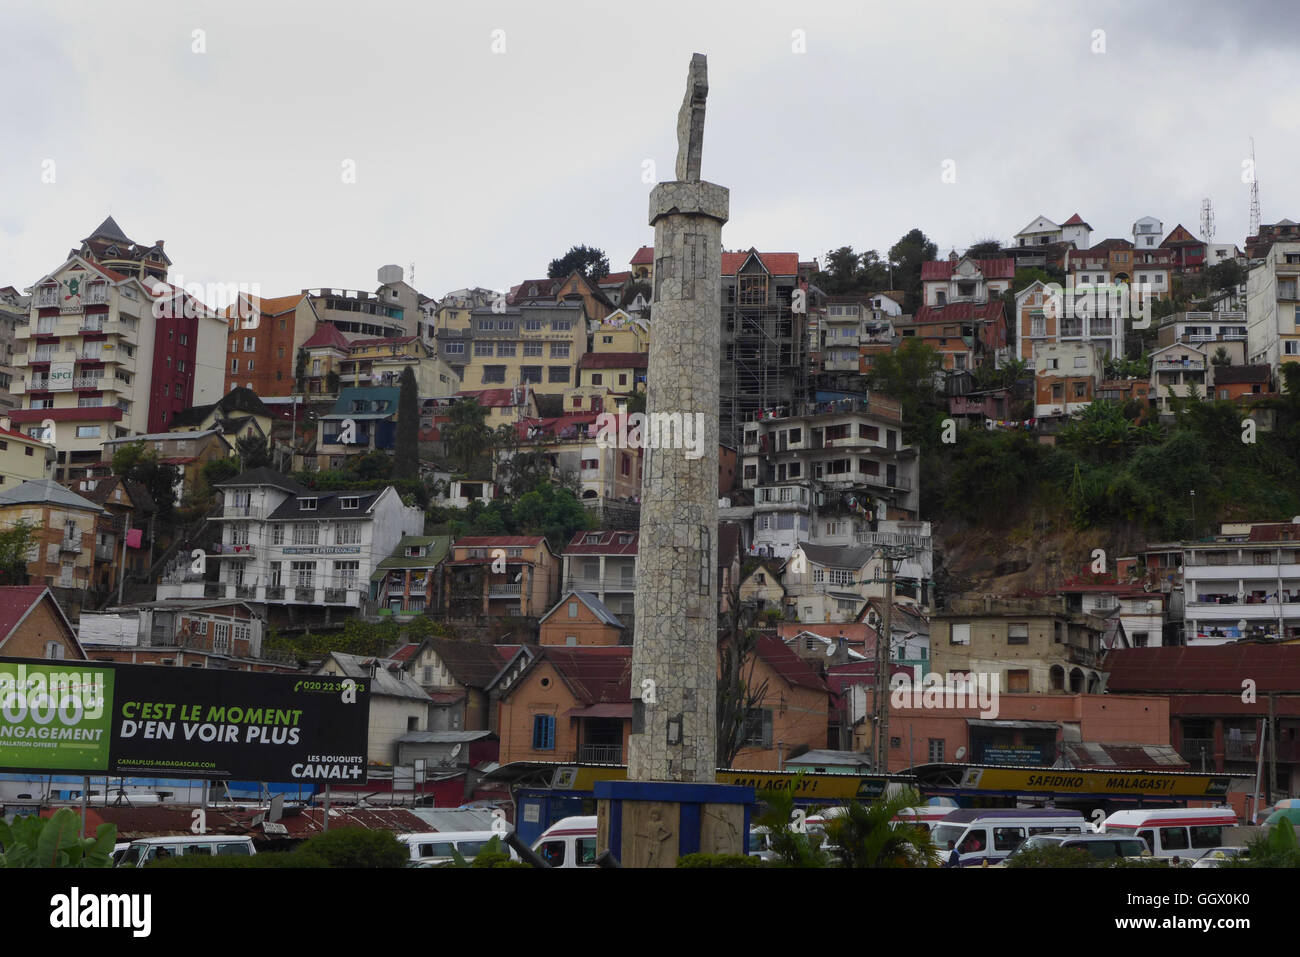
[[357, 847], [1051, 857], [54, 842]]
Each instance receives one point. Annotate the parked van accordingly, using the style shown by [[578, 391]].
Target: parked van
[[971, 836], [928, 817], [149, 849], [1185, 832], [570, 842], [432, 848]]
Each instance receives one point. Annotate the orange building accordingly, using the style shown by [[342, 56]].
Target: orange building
[[793, 712], [501, 576], [1236, 382], [569, 705], [579, 619], [262, 350]]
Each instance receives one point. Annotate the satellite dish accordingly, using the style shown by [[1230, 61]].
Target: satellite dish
[[831, 647], [456, 750], [960, 753]]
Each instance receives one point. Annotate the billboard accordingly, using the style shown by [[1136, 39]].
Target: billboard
[[83, 717]]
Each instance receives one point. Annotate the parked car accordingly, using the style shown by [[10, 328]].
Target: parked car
[[434, 848], [971, 836], [1101, 847], [1218, 856]]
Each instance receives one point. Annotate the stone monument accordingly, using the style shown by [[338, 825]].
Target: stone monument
[[670, 803]]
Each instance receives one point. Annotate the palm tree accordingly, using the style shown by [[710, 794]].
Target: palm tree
[[867, 836], [792, 843]]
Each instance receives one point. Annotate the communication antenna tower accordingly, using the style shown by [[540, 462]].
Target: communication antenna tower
[[1207, 220], [1254, 192]]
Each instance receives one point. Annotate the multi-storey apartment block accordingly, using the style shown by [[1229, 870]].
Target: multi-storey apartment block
[[266, 337], [1065, 377], [108, 355], [510, 346], [804, 467], [501, 576], [1272, 335], [14, 310], [1245, 583], [1208, 331], [603, 563], [295, 549]]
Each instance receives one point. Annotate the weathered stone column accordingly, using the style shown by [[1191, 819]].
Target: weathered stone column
[[674, 724]]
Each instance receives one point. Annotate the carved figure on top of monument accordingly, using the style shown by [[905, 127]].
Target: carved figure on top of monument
[[690, 121]]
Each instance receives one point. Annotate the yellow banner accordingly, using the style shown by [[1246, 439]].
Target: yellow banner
[[1067, 781]]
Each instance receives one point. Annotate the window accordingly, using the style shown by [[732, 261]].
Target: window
[[234, 366], [936, 750], [454, 348], [1018, 633], [1018, 681], [349, 502], [250, 343], [250, 365], [54, 649], [532, 348], [530, 373], [494, 373], [306, 534], [573, 609], [304, 574], [484, 349], [960, 634], [348, 533], [307, 504], [597, 378], [557, 373], [221, 638], [532, 325], [758, 728], [506, 349], [543, 732], [559, 350], [1173, 838], [87, 431], [1007, 838], [277, 534], [345, 574]]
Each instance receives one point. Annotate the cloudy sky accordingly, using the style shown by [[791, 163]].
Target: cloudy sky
[[488, 137]]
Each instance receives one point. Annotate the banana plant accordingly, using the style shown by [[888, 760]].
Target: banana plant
[[53, 842]]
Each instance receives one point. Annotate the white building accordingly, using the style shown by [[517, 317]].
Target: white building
[[1177, 368], [1246, 577], [1272, 336], [398, 705], [1066, 376], [1147, 233], [283, 544]]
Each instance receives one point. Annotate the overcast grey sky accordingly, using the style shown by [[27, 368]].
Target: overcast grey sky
[[481, 166]]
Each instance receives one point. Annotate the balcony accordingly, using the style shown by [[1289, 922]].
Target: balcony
[[88, 382], [72, 542], [91, 324], [243, 511], [275, 593], [601, 754], [104, 553], [233, 550], [336, 596], [1166, 365], [503, 590], [214, 589], [1192, 749], [600, 585], [246, 591], [38, 382], [305, 594]]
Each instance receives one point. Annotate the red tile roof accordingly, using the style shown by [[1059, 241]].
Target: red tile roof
[[506, 541], [608, 544], [991, 268], [1212, 668], [1075, 220], [1275, 532], [614, 278], [493, 398], [787, 664], [958, 312], [20, 436], [614, 360], [778, 264], [327, 334], [595, 674], [15, 602]]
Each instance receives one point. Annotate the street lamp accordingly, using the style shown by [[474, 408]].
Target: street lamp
[[1193, 494]]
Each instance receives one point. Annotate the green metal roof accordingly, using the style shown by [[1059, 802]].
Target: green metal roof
[[436, 549]]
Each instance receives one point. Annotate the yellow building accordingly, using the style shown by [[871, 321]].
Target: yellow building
[[22, 458], [508, 346], [615, 366]]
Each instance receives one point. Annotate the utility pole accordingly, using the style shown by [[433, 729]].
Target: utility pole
[[889, 554], [121, 572]]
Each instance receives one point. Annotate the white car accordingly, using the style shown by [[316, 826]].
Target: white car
[[1216, 856]]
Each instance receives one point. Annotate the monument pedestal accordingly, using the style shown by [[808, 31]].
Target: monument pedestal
[[653, 823]]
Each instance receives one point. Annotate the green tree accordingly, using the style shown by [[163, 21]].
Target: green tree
[[908, 375], [406, 452], [1225, 275], [588, 260], [908, 254], [254, 452], [985, 249], [739, 692], [1221, 357], [792, 843], [356, 847], [1277, 847], [866, 835], [468, 438], [33, 841], [16, 542], [136, 462]]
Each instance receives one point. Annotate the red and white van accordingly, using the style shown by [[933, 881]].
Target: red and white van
[[1186, 832]]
